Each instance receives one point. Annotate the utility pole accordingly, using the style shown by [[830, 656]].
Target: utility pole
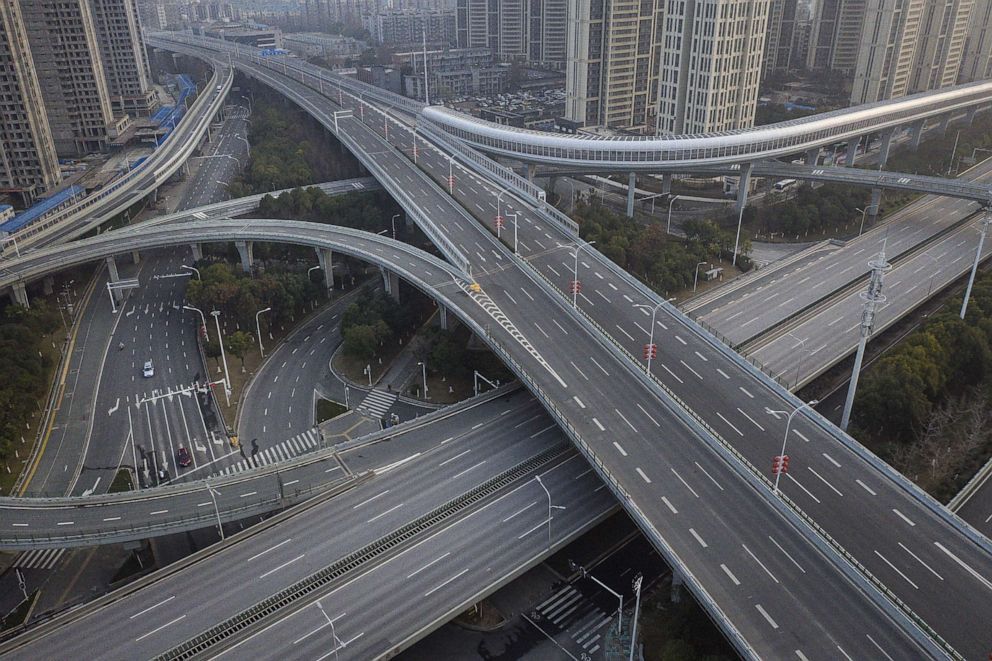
[[427, 84], [872, 298], [986, 221]]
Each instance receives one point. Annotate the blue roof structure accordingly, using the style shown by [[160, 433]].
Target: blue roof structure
[[38, 210]]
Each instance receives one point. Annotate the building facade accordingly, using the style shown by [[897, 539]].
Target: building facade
[[780, 40], [835, 36], [530, 30], [28, 163], [976, 61], [66, 53], [711, 64], [125, 63], [454, 73], [406, 28]]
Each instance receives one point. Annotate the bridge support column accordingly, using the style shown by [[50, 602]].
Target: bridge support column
[[19, 294], [245, 251], [442, 316], [197, 251], [531, 169], [114, 277], [325, 257], [916, 131], [743, 183], [812, 156], [391, 283], [666, 183], [677, 581], [970, 117], [135, 257], [852, 152], [407, 222], [944, 121], [631, 187], [876, 199], [48, 285], [883, 150]]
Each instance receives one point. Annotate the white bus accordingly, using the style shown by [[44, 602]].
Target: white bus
[[785, 184]]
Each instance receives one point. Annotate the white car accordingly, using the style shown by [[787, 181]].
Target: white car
[[149, 369]]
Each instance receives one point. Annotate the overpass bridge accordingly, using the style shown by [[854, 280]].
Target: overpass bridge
[[691, 442]]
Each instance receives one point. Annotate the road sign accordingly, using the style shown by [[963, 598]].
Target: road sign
[[574, 287], [650, 351], [780, 464]]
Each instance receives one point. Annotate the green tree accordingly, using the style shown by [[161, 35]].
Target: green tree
[[360, 341], [239, 344]]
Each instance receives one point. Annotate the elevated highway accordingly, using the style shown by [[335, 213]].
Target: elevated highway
[[636, 400], [98, 207]]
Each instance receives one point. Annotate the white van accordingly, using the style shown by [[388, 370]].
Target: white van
[[148, 370]]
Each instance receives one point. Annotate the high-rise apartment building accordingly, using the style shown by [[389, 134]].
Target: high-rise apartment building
[[407, 27], [909, 46], [125, 63], [780, 41], [711, 62], [533, 30], [28, 163], [611, 73], [66, 53], [976, 61], [835, 35]]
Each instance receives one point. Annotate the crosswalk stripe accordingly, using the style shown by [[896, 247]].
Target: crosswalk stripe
[[553, 597]]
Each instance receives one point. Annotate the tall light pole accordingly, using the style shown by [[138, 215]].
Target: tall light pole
[[249, 103], [193, 269], [258, 330], [802, 345], [650, 349], [550, 507], [637, 608], [810, 404], [213, 492], [244, 140], [575, 270], [936, 263], [515, 242], [451, 175], [695, 276], [863, 212], [393, 221], [223, 356], [334, 635], [986, 221], [670, 203], [872, 297], [423, 370]]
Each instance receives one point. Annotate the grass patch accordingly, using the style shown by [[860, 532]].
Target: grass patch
[[122, 482], [326, 409]]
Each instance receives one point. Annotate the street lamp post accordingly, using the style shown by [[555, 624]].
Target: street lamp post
[[393, 222], [223, 356], [213, 492], [515, 242], [550, 507], [863, 212], [651, 349], [670, 203], [334, 635], [193, 269], [423, 370], [247, 144], [258, 329], [249, 103], [802, 345], [368, 372], [585, 574], [575, 270], [810, 404], [936, 263], [695, 276], [637, 608]]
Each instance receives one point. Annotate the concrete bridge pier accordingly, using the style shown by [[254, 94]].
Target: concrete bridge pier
[[325, 257], [944, 121], [916, 131], [19, 294], [743, 183], [631, 187], [531, 170], [812, 156], [245, 251], [114, 277], [852, 151], [876, 199], [135, 257], [390, 283], [48, 285], [666, 183], [442, 317], [677, 581], [883, 150], [197, 251], [970, 117], [407, 222]]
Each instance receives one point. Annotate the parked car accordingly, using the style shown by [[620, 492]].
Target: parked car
[[183, 457], [148, 370]]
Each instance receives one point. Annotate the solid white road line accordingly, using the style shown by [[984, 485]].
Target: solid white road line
[[369, 500], [140, 638], [964, 565], [271, 548], [730, 574], [896, 569], [919, 560], [142, 612], [760, 563], [766, 616], [382, 514], [430, 564], [786, 554], [685, 483], [903, 517], [823, 479]]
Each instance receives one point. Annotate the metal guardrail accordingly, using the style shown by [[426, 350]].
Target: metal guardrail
[[216, 635]]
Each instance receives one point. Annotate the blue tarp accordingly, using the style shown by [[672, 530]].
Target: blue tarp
[[169, 121], [41, 208]]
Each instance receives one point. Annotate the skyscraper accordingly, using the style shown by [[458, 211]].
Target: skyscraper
[[976, 61], [835, 36], [533, 30], [909, 46], [67, 58], [710, 64], [125, 63], [780, 39], [28, 164], [611, 72]]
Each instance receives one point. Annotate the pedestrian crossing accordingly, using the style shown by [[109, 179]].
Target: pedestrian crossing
[[39, 559], [288, 449], [377, 402], [568, 610]]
